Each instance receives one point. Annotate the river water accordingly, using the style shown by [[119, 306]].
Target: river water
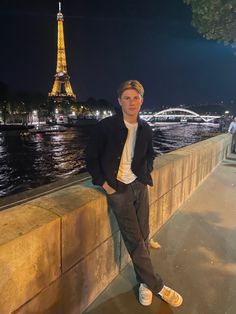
[[33, 160]]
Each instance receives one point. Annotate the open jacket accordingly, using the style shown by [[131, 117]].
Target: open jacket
[[104, 151]]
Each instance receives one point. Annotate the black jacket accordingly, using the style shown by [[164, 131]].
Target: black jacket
[[105, 148]]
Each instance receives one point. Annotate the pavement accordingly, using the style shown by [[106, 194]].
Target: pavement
[[197, 257]]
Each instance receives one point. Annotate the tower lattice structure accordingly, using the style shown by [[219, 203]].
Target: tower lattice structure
[[61, 89]]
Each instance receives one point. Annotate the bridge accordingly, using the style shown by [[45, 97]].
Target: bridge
[[184, 115]]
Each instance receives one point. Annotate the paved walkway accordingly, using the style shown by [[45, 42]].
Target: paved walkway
[[198, 255]]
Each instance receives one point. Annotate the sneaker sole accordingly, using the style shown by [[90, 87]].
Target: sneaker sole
[[171, 304], [145, 303]]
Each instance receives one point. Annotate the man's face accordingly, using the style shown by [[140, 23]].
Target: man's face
[[130, 102]]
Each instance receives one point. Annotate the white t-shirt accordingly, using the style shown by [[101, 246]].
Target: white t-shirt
[[232, 127], [125, 173]]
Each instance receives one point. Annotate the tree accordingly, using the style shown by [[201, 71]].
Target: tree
[[215, 19]]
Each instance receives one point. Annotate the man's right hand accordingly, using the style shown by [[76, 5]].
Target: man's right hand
[[108, 189]]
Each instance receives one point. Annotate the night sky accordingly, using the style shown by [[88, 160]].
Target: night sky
[[111, 41]]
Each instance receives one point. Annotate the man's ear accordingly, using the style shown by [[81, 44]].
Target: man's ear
[[119, 101]]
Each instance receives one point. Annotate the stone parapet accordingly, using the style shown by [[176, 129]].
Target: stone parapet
[[60, 251]]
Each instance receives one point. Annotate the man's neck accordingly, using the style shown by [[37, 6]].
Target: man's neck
[[130, 119]]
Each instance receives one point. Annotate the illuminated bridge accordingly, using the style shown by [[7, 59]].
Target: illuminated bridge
[[182, 115]]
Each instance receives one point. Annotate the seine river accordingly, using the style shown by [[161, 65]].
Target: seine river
[[34, 160]]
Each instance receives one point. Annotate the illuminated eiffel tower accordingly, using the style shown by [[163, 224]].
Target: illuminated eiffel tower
[[61, 90]]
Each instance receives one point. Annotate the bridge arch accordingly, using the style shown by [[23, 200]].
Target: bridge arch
[[181, 110]]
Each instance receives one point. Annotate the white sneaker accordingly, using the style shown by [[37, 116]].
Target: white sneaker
[[154, 244], [171, 296], [145, 295]]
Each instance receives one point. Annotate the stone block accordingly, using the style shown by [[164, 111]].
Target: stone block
[[202, 158], [186, 155], [166, 206], [30, 254], [164, 177], [155, 218], [177, 197], [70, 198], [79, 286], [86, 222], [153, 190], [84, 229], [201, 172], [178, 170], [195, 156], [186, 188], [194, 181]]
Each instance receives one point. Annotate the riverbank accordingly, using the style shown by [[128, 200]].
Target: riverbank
[[15, 127]]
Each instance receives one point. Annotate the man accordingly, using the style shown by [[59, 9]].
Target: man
[[120, 159], [232, 130]]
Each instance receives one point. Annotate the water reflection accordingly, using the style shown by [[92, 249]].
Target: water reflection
[[32, 160], [170, 137]]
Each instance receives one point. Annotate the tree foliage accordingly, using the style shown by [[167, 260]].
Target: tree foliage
[[215, 19]]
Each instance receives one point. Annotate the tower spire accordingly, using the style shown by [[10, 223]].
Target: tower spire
[[61, 89]]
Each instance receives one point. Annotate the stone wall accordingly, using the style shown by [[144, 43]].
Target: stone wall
[[60, 251]]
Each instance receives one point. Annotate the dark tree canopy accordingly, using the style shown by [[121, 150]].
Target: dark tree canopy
[[215, 19]]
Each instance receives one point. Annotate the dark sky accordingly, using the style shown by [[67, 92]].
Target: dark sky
[[111, 41]]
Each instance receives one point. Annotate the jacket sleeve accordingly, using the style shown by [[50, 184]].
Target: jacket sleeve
[[93, 157]]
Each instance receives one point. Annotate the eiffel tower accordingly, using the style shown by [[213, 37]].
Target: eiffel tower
[[61, 90]]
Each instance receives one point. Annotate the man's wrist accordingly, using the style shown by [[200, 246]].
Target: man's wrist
[[107, 188], [104, 184]]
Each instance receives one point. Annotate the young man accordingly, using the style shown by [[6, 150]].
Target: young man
[[120, 159], [232, 130]]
